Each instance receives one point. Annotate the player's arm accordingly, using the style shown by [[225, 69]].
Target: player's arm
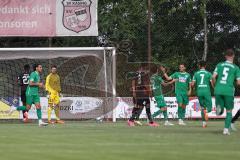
[[48, 86], [238, 77], [214, 79], [58, 85], [172, 81], [214, 76], [38, 84], [32, 83], [134, 88], [189, 86], [163, 69]]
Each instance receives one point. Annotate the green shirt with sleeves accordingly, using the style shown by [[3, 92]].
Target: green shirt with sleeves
[[33, 90], [227, 73], [182, 83], [156, 81], [202, 79]]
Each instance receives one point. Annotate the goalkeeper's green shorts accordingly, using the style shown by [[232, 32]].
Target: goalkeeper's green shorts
[[32, 99]]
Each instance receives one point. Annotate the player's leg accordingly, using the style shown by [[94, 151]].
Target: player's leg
[[29, 100], [181, 112], [135, 111], [229, 104], [237, 115], [201, 100], [56, 102], [24, 102], [161, 104], [148, 112], [219, 100], [36, 101], [158, 104], [184, 104], [50, 108], [179, 102]]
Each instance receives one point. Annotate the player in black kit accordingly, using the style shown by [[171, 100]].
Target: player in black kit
[[141, 90], [23, 81]]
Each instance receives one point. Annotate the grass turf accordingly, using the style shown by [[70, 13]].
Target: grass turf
[[115, 141]]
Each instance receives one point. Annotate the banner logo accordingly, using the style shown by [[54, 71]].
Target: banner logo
[[76, 15]]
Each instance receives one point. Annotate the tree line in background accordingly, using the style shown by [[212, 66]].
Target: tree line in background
[[177, 33]]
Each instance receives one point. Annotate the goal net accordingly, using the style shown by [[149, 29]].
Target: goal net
[[87, 80]]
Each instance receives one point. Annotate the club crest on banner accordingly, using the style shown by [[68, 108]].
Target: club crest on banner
[[76, 15]]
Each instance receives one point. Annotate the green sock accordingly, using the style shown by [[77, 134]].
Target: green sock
[[21, 108], [39, 114], [155, 114], [179, 112], [183, 113], [165, 115], [202, 114], [228, 119]]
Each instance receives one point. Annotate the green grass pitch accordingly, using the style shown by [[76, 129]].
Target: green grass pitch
[[117, 141]]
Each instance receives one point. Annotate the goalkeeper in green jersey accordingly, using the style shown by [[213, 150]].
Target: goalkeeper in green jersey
[[224, 77], [156, 85], [202, 80], [32, 95], [182, 81]]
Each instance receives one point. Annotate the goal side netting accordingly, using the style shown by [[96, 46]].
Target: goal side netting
[[88, 79]]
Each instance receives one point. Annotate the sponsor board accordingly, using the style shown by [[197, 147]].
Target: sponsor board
[[48, 18]]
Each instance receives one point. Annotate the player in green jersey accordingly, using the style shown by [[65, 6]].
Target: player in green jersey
[[202, 80], [224, 77], [182, 81], [156, 86], [32, 94]]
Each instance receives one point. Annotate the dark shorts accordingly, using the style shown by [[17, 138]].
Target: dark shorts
[[23, 96], [143, 101]]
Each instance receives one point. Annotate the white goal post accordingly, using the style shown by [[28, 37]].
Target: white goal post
[[88, 72]]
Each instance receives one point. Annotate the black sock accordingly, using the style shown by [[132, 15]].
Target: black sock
[[23, 113], [237, 115], [134, 114], [149, 115]]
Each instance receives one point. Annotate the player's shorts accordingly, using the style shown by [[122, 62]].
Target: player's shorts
[[205, 102], [160, 101], [32, 99], [182, 99], [225, 101], [54, 99], [143, 101], [23, 96]]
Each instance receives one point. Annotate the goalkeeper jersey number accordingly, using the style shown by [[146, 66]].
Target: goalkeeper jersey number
[[227, 73]]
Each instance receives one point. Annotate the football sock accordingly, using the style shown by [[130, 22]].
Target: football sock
[[165, 115], [134, 113], [21, 108], [39, 114], [237, 115], [23, 113], [149, 115], [57, 112], [228, 119], [183, 113], [49, 112], [179, 112], [155, 114], [202, 114]]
